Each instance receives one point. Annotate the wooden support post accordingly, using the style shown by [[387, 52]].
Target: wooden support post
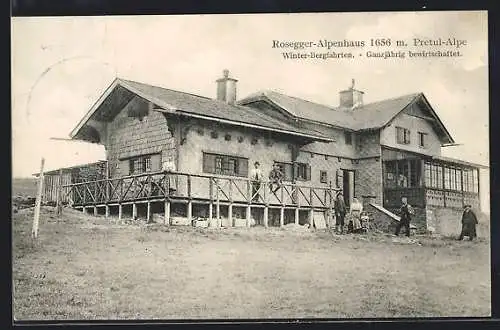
[[148, 214], [166, 219], [95, 211], [217, 205], [211, 197], [296, 215], [266, 215], [59, 194], [134, 211], [107, 182], [107, 211], [190, 210], [311, 218], [311, 204], [230, 206], [249, 192], [282, 216], [248, 215], [230, 215], [331, 205], [38, 203], [120, 211]]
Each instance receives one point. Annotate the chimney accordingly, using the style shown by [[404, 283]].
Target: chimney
[[226, 88], [351, 98]]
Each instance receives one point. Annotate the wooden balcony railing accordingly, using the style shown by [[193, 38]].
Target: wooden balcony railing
[[176, 185]]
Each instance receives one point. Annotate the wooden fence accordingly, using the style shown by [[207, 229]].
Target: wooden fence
[[168, 185]]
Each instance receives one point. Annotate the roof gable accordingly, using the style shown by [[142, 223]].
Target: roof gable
[[369, 116], [121, 91]]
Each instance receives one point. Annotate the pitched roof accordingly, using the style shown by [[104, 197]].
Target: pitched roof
[[368, 116], [182, 103]]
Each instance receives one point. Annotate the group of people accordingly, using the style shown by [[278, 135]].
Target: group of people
[[275, 179], [469, 219], [355, 211]]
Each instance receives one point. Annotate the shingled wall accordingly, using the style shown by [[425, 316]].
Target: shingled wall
[[130, 136]]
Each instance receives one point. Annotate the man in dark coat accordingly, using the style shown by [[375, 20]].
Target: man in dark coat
[[469, 222], [406, 211], [340, 212]]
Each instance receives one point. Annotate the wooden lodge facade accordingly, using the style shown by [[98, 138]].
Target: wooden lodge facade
[[171, 152]]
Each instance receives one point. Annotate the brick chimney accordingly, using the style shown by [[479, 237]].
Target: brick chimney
[[351, 98], [226, 88]]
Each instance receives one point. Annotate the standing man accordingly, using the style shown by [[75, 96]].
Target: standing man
[[340, 212], [256, 177], [275, 178], [405, 211], [469, 222]]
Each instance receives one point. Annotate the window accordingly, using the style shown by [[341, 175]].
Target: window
[[475, 178], [348, 137], [402, 135], [455, 179], [404, 173], [323, 177], [299, 171], [225, 164], [141, 164], [470, 183], [422, 137], [447, 178], [303, 172], [439, 177]]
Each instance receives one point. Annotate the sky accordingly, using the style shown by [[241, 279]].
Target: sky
[[61, 65]]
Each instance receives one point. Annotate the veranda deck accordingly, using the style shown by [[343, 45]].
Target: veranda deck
[[211, 190]]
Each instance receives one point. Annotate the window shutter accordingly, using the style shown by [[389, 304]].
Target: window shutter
[[308, 172], [243, 166], [208, 163], [125, 167], [340, 178], [155, 162]]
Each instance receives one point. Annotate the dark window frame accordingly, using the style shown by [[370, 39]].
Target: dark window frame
[[229, 165], [403, 173], [403, 135], [140, 164], [451, 178], [323, 176], [299, 171], [348, 137], [422, 139]]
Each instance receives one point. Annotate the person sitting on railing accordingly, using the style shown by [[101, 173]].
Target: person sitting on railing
[[275, 178], [168, 166], [256, 177]]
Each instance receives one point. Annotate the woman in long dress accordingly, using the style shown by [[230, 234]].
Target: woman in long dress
[[355, 210]]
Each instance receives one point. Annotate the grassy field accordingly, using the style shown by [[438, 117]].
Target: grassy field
[[24, 186], [92, 268]]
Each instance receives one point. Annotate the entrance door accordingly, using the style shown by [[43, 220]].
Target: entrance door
[[348, 186]]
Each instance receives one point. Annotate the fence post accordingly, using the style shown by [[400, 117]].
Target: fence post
[[189, 206], [217, 207], [331, 206], [59, 193], [230, 206], [36, 218]]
